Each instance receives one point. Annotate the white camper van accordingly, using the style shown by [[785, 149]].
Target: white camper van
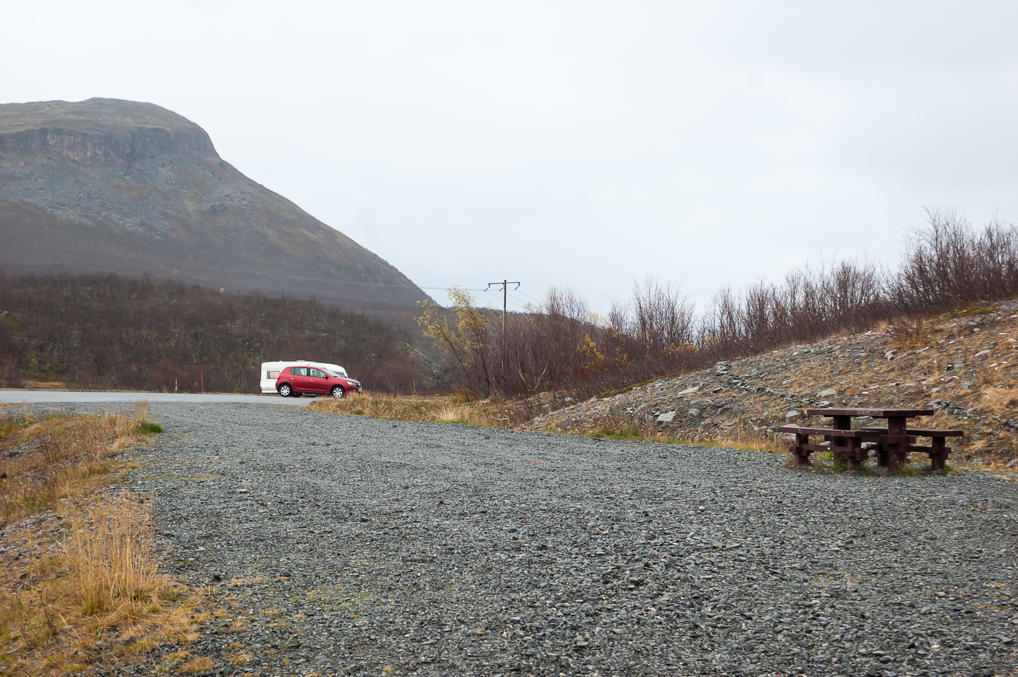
[[270, 371]]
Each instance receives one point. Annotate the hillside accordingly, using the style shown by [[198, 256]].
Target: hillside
[[106, 185], [963, 365], [104, 331]]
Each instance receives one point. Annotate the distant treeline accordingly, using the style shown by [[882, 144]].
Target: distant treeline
[[105, 331], [562, 346]]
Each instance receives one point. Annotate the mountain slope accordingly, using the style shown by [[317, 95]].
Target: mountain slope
[[106, 185]]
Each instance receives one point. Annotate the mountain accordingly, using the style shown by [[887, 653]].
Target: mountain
[[106, 185]]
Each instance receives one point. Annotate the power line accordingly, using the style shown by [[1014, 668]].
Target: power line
[[530, 298], [524, 300], [451, 287]]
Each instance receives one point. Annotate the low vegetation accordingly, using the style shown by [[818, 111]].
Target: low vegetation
[[632, 428], [427, 408], [456, 409], [55, 457], [561, 346], [81, 585], [110, 332]]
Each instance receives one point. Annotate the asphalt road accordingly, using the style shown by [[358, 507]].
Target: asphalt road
[[84, 397]]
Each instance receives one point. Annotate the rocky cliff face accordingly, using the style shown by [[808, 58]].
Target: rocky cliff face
[[116, 186]]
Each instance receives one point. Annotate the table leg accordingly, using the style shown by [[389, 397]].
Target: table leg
[[882, 454], [854, 457], [938, 453], [799, 449], [897, 444], [847, 457]]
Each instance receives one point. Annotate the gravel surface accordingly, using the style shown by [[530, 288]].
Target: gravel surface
[[344, 545]]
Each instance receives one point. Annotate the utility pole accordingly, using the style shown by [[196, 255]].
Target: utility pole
[[505, 285]]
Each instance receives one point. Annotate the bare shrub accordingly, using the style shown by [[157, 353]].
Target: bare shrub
[[950, 264], [105, 331]]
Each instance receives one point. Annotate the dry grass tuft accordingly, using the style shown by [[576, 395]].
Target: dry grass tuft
[[108, 554], [432, 408], [1001, 401], [463, 413], [200, 664]]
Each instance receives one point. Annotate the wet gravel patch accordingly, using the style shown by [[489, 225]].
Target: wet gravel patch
[[343, 545]]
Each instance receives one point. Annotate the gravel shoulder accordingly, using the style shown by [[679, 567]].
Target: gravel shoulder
[[345, 545]]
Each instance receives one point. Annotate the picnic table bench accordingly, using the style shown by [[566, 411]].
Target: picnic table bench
[[892, 443]]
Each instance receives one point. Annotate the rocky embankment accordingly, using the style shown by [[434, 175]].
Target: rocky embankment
[[964, 366]]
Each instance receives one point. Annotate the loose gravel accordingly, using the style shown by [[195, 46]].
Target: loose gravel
[[345, 545]]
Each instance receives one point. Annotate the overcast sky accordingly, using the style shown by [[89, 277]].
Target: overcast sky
[[582, 144]]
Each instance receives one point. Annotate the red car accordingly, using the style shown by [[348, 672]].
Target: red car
[[296, 381]]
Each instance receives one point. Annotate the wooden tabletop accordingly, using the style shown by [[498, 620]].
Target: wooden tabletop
[[873, 413]]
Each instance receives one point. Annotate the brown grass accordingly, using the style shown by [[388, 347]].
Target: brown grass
[[78, 566], [57, 456], [432, 408], [1001, 401], [113, 571], [641, 429], [200, 664], [453, 409]]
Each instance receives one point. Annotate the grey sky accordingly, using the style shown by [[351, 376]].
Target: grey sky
[[574, 144]]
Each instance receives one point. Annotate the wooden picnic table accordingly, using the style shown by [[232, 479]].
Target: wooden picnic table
[[892, 442]]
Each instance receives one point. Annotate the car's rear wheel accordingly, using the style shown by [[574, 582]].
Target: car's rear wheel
[[337, 391], [285, 390]]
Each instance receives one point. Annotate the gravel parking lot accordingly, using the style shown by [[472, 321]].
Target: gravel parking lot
[[345, 545]]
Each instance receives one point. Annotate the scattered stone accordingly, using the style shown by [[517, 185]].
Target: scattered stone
[[981, 353], [688, 391], [694, 412], [830, 392], [792, 415], [666, 417]]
